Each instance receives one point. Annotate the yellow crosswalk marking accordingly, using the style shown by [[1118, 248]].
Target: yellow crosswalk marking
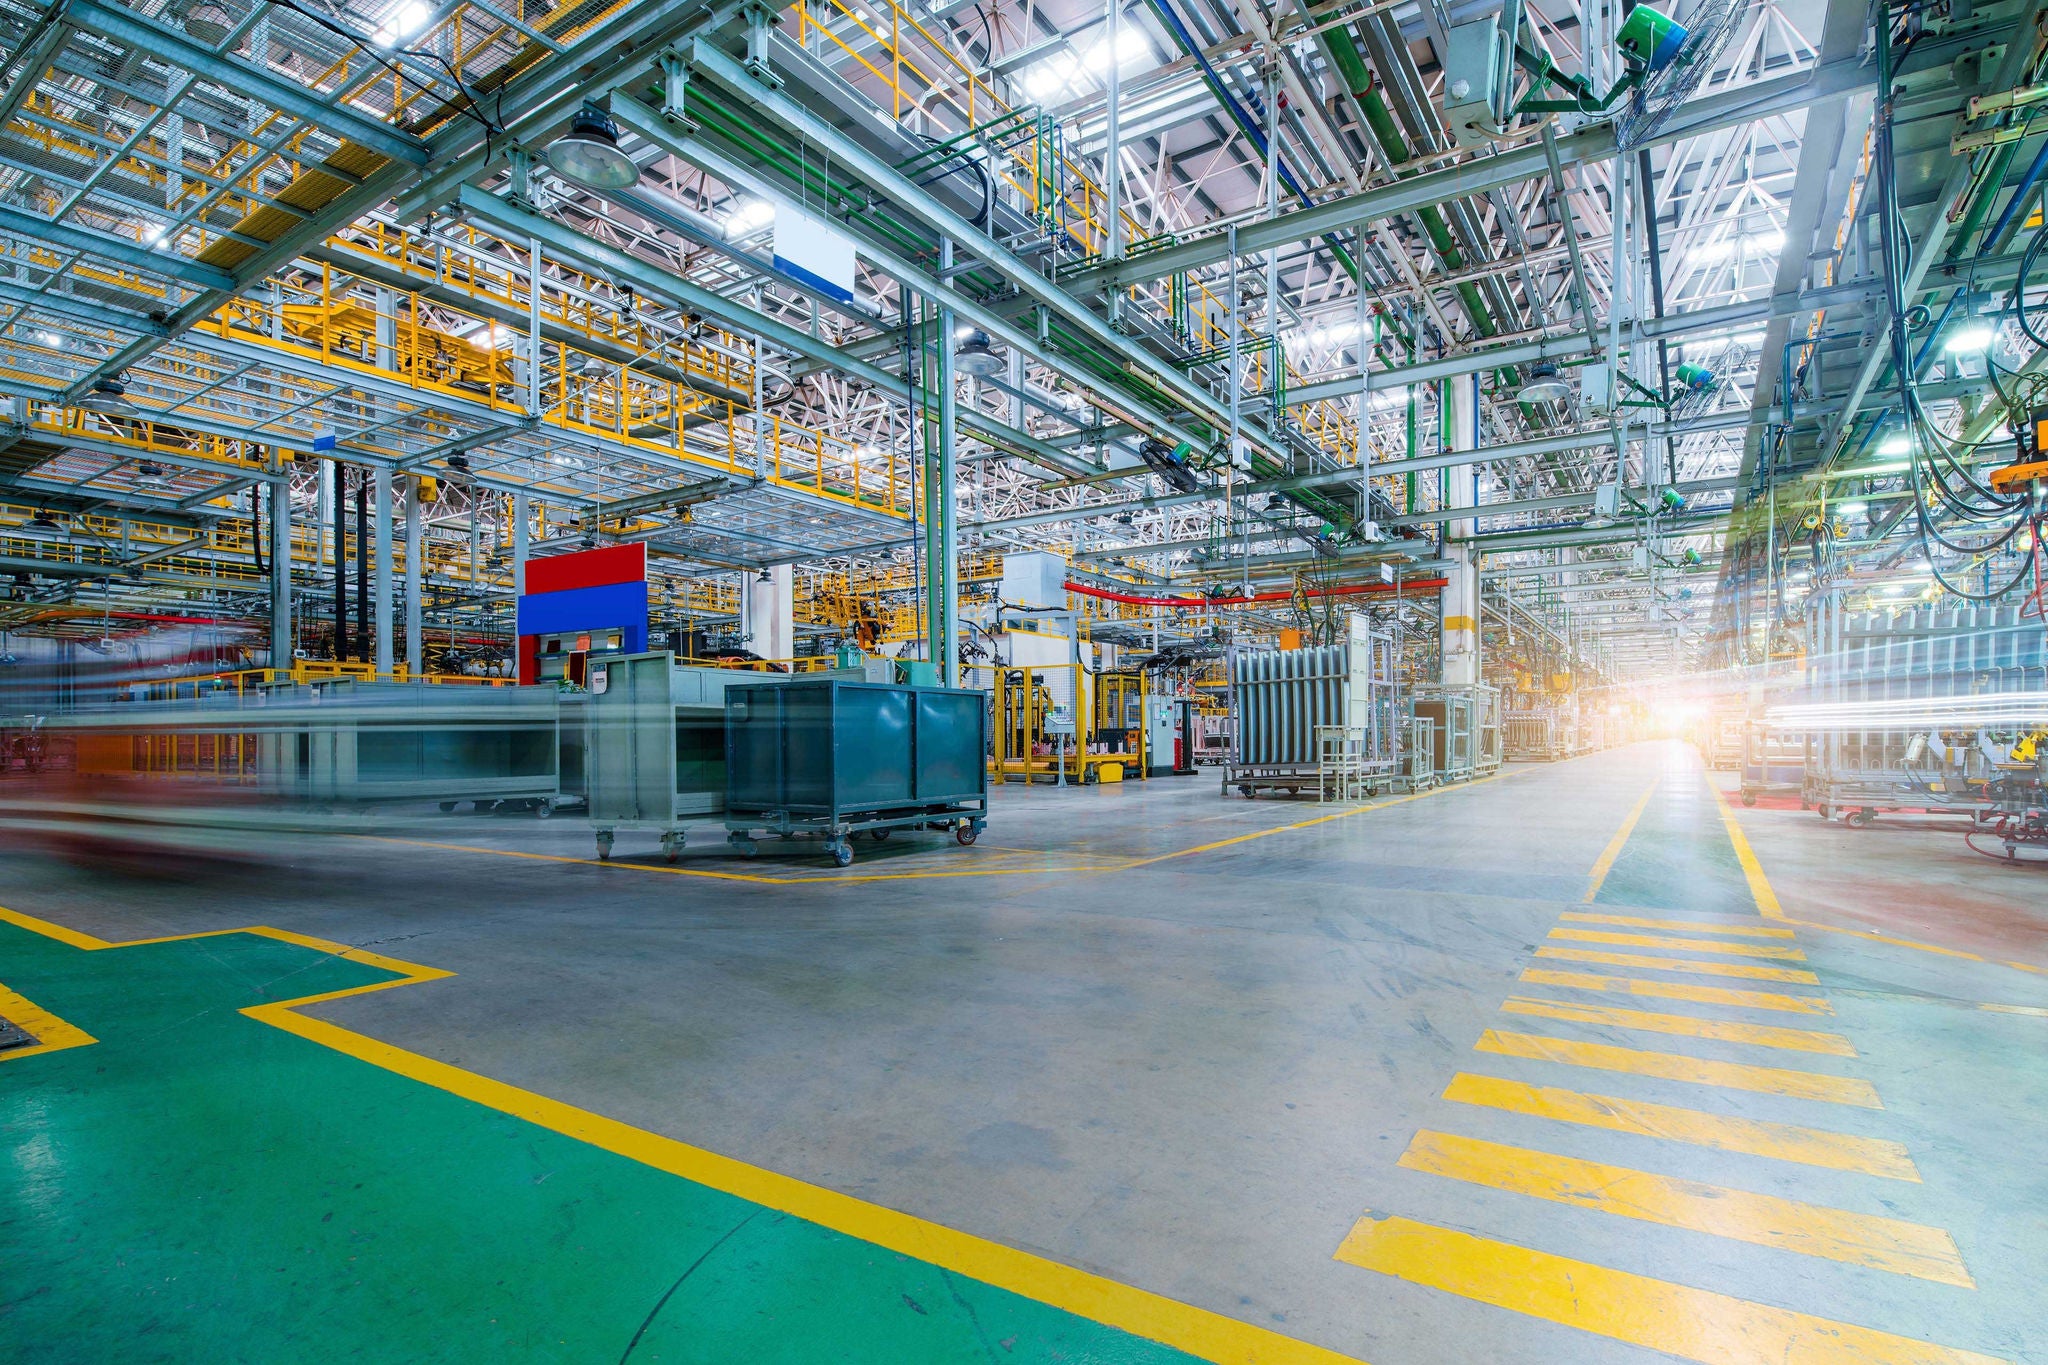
[[1691, 1324], [1678, 990], [1725, 1132], [1747, 971], [1686, 1026], [1694, 925], [1697, 945], [1890, 1244], [1671, 1066]]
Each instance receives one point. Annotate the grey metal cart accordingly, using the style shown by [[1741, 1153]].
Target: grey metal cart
[[654, 745], [837, 759]]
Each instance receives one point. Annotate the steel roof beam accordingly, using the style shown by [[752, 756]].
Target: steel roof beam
[[340, 120]]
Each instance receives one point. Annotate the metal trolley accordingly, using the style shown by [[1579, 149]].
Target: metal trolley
[[838, 759]]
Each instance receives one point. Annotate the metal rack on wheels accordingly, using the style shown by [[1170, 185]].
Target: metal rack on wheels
[[1281, 698], [837, 759]]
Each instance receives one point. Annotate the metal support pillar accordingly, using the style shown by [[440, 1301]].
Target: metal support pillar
[[380, 479], [281, 569], [519, 544], [942, 568], [1458, 599], [415, 549]]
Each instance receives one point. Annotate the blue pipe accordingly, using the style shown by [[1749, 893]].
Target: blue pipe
[[2040, 163]]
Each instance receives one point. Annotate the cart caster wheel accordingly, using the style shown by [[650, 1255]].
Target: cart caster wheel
[[544, 811], [842, 853], [742, 845], [1825, 812], [447, 808], [1862, 819], [671, 846], [879, 835], [1749, 798], [604, 847], [966, 834], [1244, 790]]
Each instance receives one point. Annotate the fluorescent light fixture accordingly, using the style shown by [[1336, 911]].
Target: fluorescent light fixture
[[407, 19], [1853, 509], [1971, 336], [491, 338]]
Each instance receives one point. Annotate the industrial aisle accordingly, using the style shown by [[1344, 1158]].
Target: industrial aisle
[[1567, 1065]]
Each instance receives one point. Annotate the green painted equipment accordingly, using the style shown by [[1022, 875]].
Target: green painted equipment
[[1650, 39]]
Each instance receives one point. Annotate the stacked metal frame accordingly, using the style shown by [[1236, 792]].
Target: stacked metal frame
[[1280, 698]]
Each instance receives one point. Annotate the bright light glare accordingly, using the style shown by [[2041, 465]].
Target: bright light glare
[[1130, 48], [1898, 444], [1995, 710], [1853, 509], [409, 18], [1387, 398], [52, 339], [491, 338], [1047, 79], [1971, 336], [153, 235], [751, 216]]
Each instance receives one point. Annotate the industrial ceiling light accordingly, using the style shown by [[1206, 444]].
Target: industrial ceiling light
[[109, 396], [1971, 336], [149, 474], [1896, 444], [208, 23], [1544, 385], [43, 519], [589, 152], [976, 355], [765, 576], [458, 463]]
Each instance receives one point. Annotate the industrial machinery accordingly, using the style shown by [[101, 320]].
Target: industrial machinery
[[655, 745], [838, 759], [1280, 697]]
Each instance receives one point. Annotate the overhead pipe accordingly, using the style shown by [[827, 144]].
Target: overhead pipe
[[1252, 599]]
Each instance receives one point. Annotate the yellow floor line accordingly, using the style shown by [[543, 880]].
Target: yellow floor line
[[1678, 990], [1688, 966], [51, 1034], [1698, 926], [1605, 863], [1691, 1324], [1685, 1026], [1696, 945], [798, 879], [1767, 903], [1323, 819], [1197, 1331], [1672, 1066], [1916, 945], [1888, 1244], [1752, 871], [1696, 1127]]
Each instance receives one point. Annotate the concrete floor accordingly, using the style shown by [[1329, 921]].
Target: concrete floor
[[1189, 1042]]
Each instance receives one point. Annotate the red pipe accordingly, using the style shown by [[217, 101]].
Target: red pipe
[[1284, 595]]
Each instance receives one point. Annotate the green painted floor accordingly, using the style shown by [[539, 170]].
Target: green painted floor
[[232, 1192]]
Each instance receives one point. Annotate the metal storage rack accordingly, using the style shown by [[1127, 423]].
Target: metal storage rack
[[1279, 699], [838, 759], [654, 745], [1868, 657]]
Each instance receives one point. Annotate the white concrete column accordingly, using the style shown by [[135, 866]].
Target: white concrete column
[[380, 567], [771, 613], [1458, 599], [415, 549]]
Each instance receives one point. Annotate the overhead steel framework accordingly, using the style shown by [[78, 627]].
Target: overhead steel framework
[[1256, 308]]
